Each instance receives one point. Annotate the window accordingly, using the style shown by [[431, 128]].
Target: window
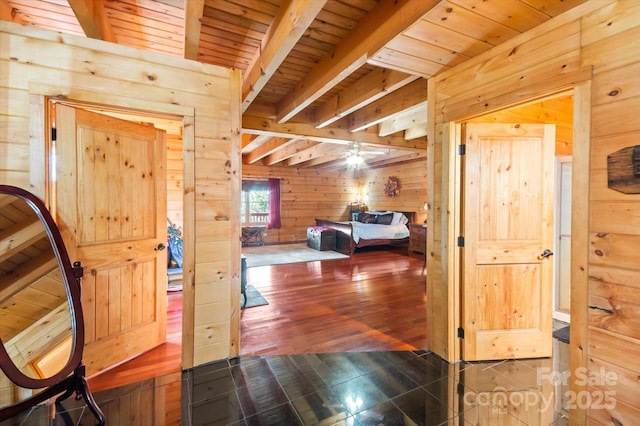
[[254, 203]]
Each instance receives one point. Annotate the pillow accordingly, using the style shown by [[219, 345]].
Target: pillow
[[399, 217], [369, 218], [385, 219], [396, 218]]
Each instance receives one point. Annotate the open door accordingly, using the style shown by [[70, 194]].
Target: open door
[[110, 203], [508, 237]]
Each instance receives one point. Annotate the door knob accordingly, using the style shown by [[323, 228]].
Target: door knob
[[160, 247], [546, 253]]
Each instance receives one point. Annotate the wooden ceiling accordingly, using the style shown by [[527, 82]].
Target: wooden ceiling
[[319, 75]]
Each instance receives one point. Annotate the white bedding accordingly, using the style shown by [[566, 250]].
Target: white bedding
[[372, 231]]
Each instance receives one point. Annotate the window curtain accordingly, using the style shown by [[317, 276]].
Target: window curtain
[[274, 204]]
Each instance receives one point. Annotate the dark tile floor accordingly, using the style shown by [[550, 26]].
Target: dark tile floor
[[371, 388]]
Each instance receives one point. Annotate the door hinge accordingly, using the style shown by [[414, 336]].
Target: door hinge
[[460, 241], [53, 134], [462, 149], [460, 332], [460, 388]]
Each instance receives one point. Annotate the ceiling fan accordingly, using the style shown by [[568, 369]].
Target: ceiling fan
[[356, 154]]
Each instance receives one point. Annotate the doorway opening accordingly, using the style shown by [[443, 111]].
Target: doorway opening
[[556, 110], [174, 177]]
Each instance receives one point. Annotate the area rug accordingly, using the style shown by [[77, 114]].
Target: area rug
[[286, 253], [562, 334], [254, 298]]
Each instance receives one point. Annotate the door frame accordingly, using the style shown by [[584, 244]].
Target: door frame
[[452, 136], [39, 145]]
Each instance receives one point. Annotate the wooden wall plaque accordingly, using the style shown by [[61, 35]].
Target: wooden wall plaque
[[623, 170]]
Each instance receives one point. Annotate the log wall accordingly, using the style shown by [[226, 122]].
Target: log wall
[[37, 63], [594, 49], [175, 179], [306, 194], [413, 188]]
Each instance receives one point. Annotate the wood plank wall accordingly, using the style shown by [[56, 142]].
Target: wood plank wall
[[175, 179], [207, 100], [596, 49], [306, 194], [413, 188]]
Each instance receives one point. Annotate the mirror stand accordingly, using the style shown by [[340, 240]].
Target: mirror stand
[[41, 304], [75, 383]]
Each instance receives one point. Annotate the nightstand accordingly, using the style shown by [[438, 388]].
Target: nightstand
[[418, 237]]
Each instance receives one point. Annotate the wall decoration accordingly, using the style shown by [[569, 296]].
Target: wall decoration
[[623, 170], [392, 187]]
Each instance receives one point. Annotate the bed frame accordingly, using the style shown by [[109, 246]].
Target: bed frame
[[344, 235]]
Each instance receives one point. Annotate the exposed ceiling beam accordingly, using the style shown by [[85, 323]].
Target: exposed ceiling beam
[[246, 139], [289, 151], [418, 130], [193, 12], [27, 273], [318, 151], [256, 141], [402, 99], [9, 13], [291, 22], [334, 161], [395, 159], [267, 126], [404, 120], [369, 88], [93, 19], [265, 149], [388, 19], [15, 238]]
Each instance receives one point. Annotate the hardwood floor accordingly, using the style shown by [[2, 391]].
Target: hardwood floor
[[373, 301], [159, 361]]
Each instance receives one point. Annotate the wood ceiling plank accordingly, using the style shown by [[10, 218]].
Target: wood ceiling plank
[[517, 15], [422, 49], [370, 88], [401, 61], [131, 35], [472, 24], [257, 11], [92, 17], [554, 8], [384, 22], [42, 8], [60, 23], [154, 9], [446, 38], [402, 99], [239, 23], [288, 26]]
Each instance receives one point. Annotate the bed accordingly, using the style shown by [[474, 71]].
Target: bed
[[351, 235]]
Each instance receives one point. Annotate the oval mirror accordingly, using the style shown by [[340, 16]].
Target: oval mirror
[[41, 329], [35, 320]]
